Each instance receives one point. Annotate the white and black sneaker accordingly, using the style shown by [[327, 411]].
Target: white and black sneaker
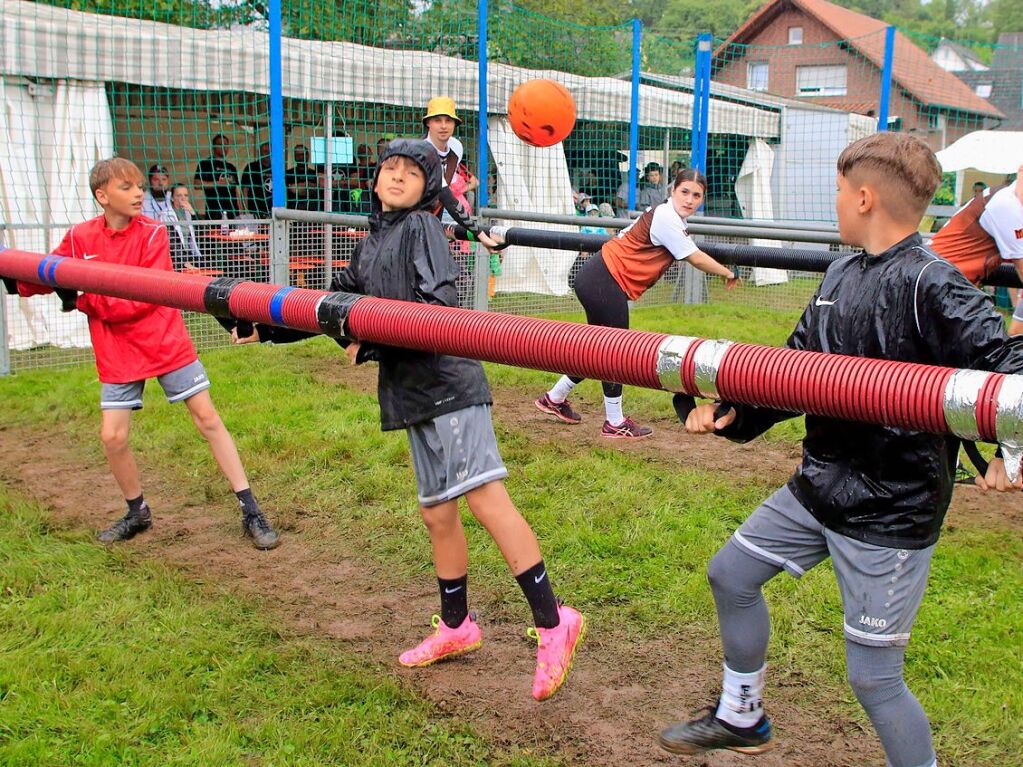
[[708, 733]]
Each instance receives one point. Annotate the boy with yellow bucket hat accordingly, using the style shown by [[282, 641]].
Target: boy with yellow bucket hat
[[441, 120]]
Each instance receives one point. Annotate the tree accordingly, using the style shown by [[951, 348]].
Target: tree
[[1007, 15]]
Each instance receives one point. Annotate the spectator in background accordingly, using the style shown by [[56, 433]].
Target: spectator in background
[[257, 184], [978, 190], [301, 181], [344, 197], [218, 179], [184, 249], [652, 190], [592, 211], [156, 204], [382, 145], [360, 180], [606, 211], [580, 200]]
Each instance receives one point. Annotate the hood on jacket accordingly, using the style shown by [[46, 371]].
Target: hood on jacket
[[423, 154]]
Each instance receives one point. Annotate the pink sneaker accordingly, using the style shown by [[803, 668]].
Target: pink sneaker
[[560, 410], [627, 429], [555, 650], [444, 643]]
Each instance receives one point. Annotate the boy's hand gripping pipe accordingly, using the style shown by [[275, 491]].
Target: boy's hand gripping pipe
[[970, 404]]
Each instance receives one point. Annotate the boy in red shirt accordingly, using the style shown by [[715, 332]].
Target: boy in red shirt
[[134, 341]]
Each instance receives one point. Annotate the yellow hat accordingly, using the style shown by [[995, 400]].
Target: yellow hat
[[441, 105]]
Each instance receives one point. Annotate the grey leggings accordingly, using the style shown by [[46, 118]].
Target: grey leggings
[[875, 673]]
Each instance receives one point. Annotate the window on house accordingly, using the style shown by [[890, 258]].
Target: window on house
[[756, 75], [984, 90], [936, 121], [828, 80], [795, 35]]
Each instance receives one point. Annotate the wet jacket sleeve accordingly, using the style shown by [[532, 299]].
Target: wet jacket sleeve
[[751, 421], [345, 279], [960, 326], [155, 255], [435, 271]]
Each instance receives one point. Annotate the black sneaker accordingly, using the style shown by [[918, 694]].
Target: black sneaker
[[260, 531], [128, 526], [708, 733]]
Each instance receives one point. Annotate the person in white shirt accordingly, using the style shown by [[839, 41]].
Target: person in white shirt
[[184, 249]]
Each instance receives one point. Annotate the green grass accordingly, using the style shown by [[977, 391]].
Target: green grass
[[106, 661], [628, 537]]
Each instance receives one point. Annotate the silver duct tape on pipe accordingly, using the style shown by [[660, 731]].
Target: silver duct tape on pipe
[[960, 402], [669, 361], [1009, 424], [707, 362]]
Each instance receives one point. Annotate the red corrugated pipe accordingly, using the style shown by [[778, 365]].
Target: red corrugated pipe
[[969, 404]]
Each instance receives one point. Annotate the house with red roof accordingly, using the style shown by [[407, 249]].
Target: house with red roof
[[816, 51]]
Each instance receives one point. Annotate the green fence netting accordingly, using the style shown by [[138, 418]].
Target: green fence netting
[[185, 87]]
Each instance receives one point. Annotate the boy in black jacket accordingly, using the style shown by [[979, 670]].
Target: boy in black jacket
[[871, 497], [443, 403]]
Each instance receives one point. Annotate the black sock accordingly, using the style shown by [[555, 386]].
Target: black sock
[[137, 506], [537, 587], [248, 502], [454, 600]]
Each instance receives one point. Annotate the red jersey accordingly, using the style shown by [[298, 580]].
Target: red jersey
[[132, 340]]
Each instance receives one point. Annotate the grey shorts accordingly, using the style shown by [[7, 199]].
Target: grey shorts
[[881, 587], [454, 453], [178, 385]]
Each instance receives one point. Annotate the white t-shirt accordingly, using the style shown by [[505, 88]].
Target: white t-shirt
[[454, 145], [668, 229], [1003, 220]]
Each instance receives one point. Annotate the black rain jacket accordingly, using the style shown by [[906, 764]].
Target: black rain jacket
[[885, 486], [406, 257]]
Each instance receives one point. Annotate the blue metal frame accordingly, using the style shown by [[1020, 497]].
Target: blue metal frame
[[886, 79], [637, 35], [701, 102], [278, 146], [483, 166]]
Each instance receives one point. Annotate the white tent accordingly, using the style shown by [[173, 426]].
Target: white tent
[[532, 178], [49, 139], [94, 47], [753, 190], [986, 150]]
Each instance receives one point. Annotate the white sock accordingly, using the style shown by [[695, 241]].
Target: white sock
[[613, 408], [741, 702], [561, 390]]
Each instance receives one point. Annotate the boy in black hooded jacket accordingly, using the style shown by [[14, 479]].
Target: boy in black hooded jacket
[[443, 403]]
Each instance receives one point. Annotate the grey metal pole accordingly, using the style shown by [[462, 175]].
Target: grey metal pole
[[5, 354], [328, 202]]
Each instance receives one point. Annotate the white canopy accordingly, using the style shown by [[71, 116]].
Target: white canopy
[[38, 40], [985, 150]]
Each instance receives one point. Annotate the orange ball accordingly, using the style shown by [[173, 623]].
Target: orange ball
[[541, 112]]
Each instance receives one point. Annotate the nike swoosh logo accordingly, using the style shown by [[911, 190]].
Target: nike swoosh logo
[[89, 258], [540, 577], [452, 591], [822, 302]]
